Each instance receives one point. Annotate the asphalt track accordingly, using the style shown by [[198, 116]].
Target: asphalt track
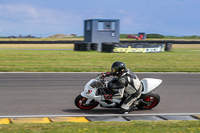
[[31, 94]]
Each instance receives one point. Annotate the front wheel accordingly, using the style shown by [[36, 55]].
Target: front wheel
[[80, 102], [150, 100]]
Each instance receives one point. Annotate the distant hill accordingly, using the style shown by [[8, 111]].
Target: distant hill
[[62, 36]]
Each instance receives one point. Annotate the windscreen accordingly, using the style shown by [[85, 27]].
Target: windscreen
[[96, 84]]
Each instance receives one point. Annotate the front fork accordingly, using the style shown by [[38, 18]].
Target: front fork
[[88, 99]]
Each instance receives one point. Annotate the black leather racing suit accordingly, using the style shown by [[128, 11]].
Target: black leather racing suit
[[129, 83]]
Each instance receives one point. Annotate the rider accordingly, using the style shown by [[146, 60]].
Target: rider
[[126, 81]]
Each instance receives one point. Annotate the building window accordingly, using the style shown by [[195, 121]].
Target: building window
[[100, 25], [88, 25], [106, 26], [113, 25]]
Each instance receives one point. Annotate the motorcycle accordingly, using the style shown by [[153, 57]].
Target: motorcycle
[[95, 89]]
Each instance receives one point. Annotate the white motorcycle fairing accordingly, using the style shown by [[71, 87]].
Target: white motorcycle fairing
[[90, 93], [150, 84]]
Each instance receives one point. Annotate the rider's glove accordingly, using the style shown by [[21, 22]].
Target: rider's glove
[[107, 97]]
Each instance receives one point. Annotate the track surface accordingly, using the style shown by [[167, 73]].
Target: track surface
[[54, 93]]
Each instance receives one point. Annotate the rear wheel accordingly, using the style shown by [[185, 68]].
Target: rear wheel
[[151, 100], [80, 102]]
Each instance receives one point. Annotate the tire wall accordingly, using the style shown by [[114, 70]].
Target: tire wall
[[121, 47], [85, 46]]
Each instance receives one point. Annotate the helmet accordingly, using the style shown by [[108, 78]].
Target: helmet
[[117, 68]]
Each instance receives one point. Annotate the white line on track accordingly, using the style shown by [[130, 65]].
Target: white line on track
[[101, 72], [156, 114]]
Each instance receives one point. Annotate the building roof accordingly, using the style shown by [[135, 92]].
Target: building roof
[[102, 19]]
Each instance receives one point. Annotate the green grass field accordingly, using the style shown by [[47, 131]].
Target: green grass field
[[179, 60], [106, 127]]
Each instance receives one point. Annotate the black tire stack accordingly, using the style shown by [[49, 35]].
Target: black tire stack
[[168, 46], [108, 47], [84, 46]]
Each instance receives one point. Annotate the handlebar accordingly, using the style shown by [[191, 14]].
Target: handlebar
[[107, 74]]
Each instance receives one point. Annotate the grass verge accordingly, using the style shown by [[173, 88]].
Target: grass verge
[[106, 127], [72, 61], [179, 47], [36, 46], [184, 58]]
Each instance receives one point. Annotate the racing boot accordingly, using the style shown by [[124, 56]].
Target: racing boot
[[123, 111]]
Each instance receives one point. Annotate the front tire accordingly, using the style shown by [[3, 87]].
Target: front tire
[[80, 102], [152, 98]]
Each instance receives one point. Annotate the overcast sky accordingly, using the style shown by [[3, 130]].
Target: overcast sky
[[48, 17]]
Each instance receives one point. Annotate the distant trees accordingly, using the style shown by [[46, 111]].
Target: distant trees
[[163, 36], [155, 36], [20, 36]]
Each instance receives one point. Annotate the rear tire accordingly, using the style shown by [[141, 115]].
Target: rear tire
[[152, 98], [80, 103]]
